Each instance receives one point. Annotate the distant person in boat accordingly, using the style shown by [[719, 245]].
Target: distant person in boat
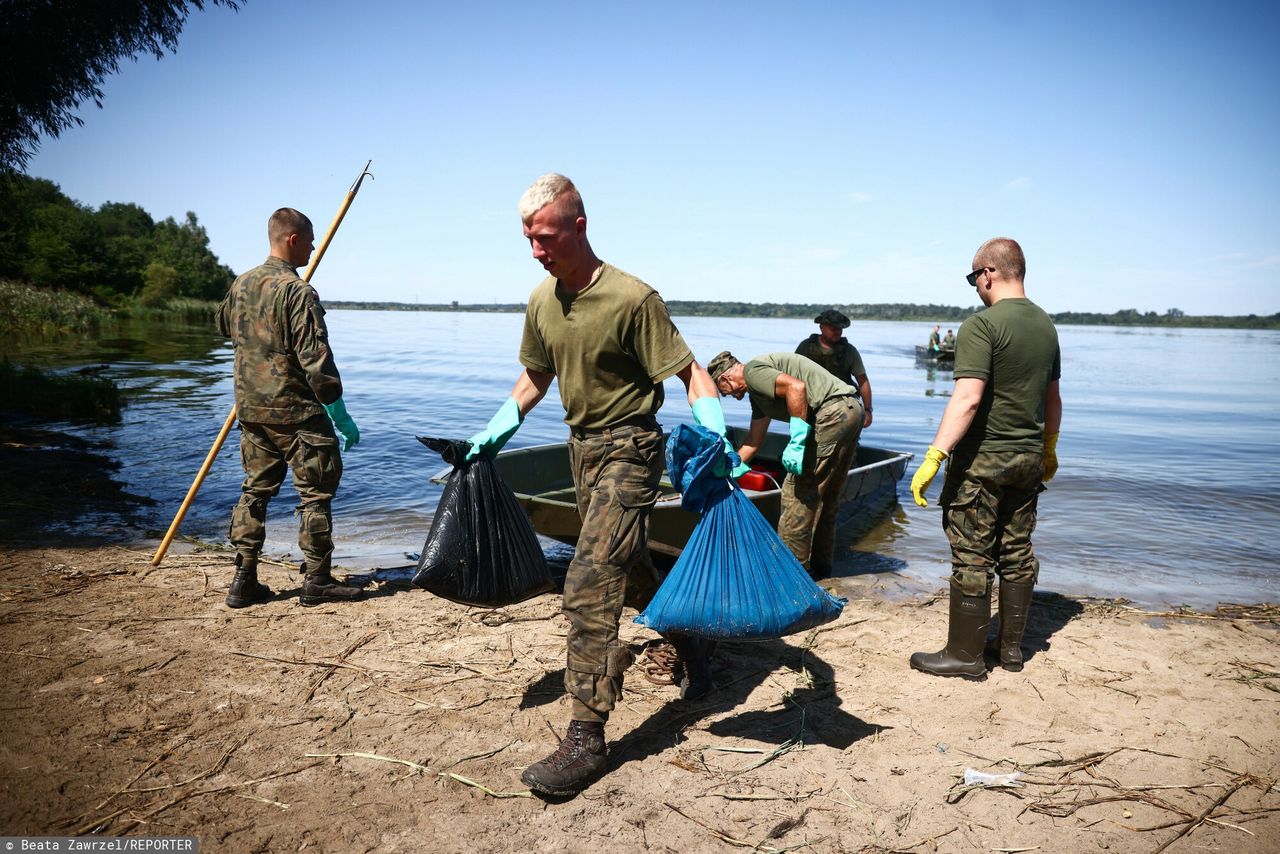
[[607, 338], [1002, 448], [829, 348], [949, 341], [288, 400], [935, 341], [825, 418]]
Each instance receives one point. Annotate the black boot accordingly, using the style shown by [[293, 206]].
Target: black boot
[[578, 760], [695, 672], [966, 635], [245, 588], [321, 587], [1015, 608]]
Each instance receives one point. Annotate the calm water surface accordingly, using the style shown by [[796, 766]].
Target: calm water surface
[[1167, 493]]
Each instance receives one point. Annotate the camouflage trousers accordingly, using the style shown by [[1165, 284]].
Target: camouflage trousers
[[811, 501], [615, 477], [989, 513], [310, 451]]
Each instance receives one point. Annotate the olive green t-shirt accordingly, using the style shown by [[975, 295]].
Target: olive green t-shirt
[[843, 360], [610, 346], [761, 376], [1013, 346]]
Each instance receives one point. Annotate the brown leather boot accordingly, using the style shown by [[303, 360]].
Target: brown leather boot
[[245, 588], [966, 635], [578, 760], [321, 587], [1015, 609]]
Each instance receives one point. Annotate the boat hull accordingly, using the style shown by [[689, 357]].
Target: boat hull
[[935, 357], [543, 483]]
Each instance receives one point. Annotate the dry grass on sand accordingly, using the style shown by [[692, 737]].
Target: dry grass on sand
[[136, 703]]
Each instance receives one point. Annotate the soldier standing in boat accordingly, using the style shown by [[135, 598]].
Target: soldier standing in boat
[[607, 338], [935, 341], [825, 418], [831, 349], [1000, 431], [949, 341], [288, 399]]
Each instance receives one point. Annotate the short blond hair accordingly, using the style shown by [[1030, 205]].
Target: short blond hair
[[552, 187], [286, 221], [1005, 255]]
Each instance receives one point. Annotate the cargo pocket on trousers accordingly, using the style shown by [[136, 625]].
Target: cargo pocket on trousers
[[319, 463], [631, 525], [962, 498]]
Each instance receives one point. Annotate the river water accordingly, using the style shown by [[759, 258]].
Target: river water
[[1168, 490]]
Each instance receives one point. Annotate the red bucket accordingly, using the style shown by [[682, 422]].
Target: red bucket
[[761, 478]]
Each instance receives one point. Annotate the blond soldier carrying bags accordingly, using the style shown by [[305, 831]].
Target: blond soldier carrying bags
[[607, 338], [287, 389], [1000, 430], [825, 419]]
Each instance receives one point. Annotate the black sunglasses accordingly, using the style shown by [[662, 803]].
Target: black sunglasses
[[972, 278]]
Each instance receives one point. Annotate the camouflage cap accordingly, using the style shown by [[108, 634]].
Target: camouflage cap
[[722, 362], [833, 317]]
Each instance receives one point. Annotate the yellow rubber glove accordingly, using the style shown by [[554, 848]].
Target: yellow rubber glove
[[925, 474], [1050, 456]]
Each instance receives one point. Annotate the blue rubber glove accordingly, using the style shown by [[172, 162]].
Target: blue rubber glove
[[707, 413], [502, 426], [739, 470], [793, 456], [342, 421]]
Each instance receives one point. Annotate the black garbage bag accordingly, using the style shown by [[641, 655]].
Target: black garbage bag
[[481, 549]]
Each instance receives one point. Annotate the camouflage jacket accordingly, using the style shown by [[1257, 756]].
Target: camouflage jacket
[[284, 369], [842, 361]]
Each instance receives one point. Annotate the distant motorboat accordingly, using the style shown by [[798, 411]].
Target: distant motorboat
[[931, 356]]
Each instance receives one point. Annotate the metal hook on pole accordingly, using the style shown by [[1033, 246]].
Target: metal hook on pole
[[231, 416], [355, 188]]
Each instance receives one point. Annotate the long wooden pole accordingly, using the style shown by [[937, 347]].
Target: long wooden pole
[[231, 416]]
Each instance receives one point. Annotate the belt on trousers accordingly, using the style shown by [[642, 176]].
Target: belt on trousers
[[843, 398], [640, 422]]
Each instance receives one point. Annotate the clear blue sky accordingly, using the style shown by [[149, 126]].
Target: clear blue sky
[[801, 152]]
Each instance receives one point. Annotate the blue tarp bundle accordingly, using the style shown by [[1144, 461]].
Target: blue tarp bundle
[[735, 579]]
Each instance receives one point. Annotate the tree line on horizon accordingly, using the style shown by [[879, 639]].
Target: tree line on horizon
[[116, 254], [862, 311], [119, 255]]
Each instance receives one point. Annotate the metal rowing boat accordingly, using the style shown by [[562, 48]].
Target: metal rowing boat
[[543, 483]]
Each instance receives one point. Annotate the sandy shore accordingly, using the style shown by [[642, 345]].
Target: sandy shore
[[136, 703]]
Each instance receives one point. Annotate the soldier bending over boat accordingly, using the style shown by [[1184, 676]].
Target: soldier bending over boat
[[825, 418]]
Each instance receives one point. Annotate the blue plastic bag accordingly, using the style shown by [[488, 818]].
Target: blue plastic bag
[[692, 455], [735, 579]]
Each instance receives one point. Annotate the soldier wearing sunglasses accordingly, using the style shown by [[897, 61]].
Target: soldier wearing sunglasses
[[999, 435]]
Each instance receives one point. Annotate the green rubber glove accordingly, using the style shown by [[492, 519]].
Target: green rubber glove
[[502, 426], [924, 475], [739, 470], [1050, 456], [793, 456], [707, 413], [343, 423]]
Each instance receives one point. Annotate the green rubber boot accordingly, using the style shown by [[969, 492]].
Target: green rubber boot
[[966, 636], [1015, 609]]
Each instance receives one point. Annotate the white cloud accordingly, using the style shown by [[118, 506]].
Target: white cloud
[[1018, 184], [861, 198]]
